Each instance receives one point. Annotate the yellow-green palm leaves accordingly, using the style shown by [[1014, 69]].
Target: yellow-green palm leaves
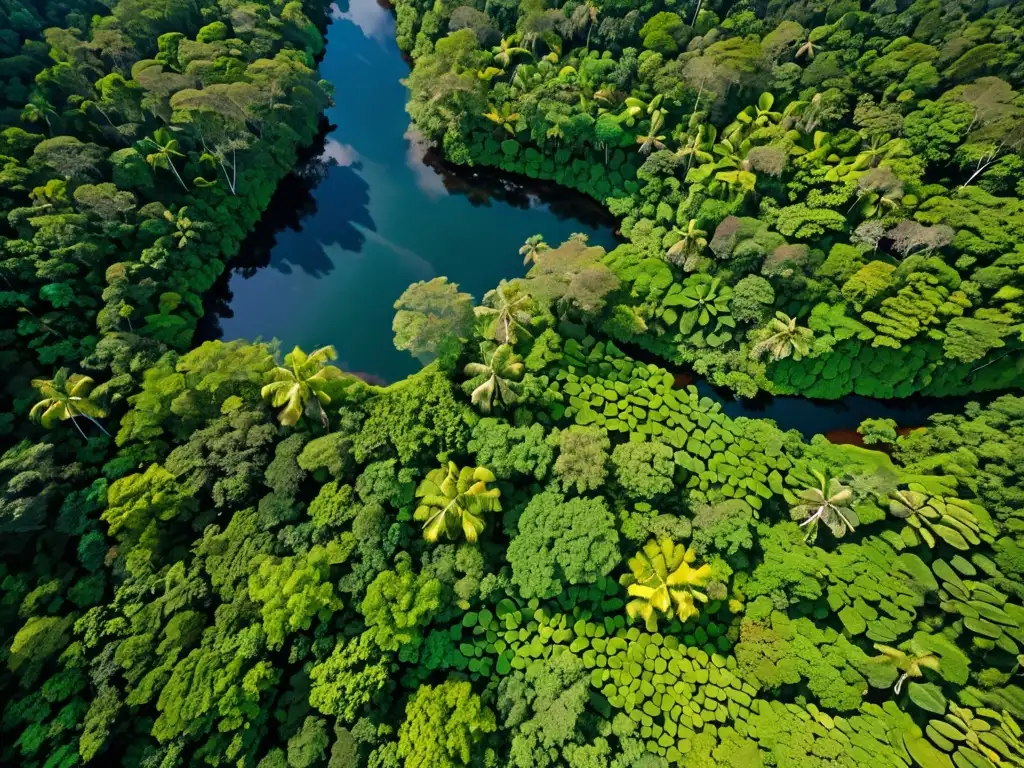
[[663, 582], [299, 384], [165, 150], [66, 396], [453, 500], [909, 665], [501, 373], [504, 117]]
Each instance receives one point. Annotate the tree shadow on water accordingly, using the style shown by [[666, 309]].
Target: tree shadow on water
[[318, 180], [482, 186]]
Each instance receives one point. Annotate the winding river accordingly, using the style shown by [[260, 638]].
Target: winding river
[[371, 209]]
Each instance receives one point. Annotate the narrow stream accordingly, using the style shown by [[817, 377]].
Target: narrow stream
[[371, 210]]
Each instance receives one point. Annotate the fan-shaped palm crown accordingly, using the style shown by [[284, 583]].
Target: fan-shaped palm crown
[[692, 240], [507, 310], [828, 503], [503, 370], [910, 664], [452, 500], [533, 246], [299, 384], [64, 397], [783, 338], [663, 582]]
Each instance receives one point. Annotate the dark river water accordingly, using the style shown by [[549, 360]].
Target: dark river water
[[370, 210], [375, 213]]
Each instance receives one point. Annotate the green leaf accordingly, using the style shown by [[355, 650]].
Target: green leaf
[[928, 696]]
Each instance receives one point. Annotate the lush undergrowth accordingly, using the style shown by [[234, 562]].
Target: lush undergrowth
[[536, 552], [847, 172]]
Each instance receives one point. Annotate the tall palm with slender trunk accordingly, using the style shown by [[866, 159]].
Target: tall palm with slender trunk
[[299, 384], [505, 51], [652, 140], [66, 396], [783, 338], [507, 310], [37, 110], [533, 246], [501, 371], [592, 12], [165, 150]]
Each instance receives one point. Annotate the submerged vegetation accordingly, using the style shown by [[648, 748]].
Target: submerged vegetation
[[540, 550]]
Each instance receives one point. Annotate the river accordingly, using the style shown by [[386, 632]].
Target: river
[[371, 210]]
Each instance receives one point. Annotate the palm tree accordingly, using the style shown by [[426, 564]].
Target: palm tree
[[506, 118], [300, 383], [592, 12], [807, 48], [828, 502], [579, 237], [166, 150], [452, 499], [533, 246], [652, 140], [699, 147], [663, 582], [909, 664], [692, 240], [508, 309], [505, 51], [38, 109], [503, 371], [64, 397], [783, 338], [186, 231]]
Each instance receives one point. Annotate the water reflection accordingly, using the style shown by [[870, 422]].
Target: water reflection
[[372, 209]]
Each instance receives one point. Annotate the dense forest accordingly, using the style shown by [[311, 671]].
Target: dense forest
[[545, 549]]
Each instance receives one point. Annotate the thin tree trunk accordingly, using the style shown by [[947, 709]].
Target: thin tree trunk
[[73, 421], [695, 14], [982, 167], [170, 162]]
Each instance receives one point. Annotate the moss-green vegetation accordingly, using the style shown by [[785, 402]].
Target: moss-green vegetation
[[834, 188], [539, 550]]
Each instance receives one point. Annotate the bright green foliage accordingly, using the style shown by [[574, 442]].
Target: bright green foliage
[[300, 384], [562, 542], [644, 470], [349, 678], [454, 500], [398, 604], [508, 451], [292, 591], [508, 311], [443, 725], [663, 582], [65, 397], [933, 518], [208, 588]]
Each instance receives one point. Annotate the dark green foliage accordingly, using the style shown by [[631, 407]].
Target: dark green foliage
[[205, 586]]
